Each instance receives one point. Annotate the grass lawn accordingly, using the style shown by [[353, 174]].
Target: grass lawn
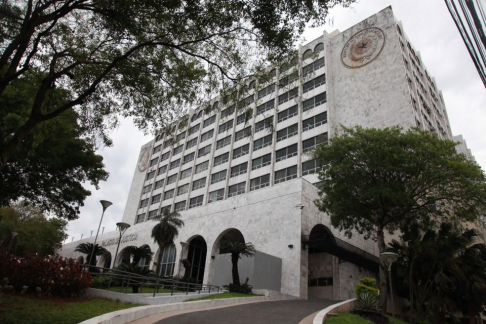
[[348, 318], [223, 296], [16, 309], [144, 290]]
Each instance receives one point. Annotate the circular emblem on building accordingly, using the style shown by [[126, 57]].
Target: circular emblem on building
[[363, 47], [144, 159]]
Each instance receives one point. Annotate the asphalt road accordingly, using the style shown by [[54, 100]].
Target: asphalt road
[[281, 312]]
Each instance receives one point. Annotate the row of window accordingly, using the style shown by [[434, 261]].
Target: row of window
[[308, 167], [233, 190]]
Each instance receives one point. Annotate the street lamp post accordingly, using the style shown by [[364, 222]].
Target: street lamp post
[[122, 227], [388, 258], [105, 204]]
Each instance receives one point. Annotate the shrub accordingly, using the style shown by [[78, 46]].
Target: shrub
[[367, 302], [244, 288], [100, 282], [56, 276], [366, 285]]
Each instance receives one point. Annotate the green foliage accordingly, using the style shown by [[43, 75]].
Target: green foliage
[[87, 248], [366, 284], [367, 302], [138, 253], [236, 249], [100, 281], [368, 281], [35, 232], [243, 288], [167, 228]]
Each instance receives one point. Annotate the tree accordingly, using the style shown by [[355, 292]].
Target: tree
[[237, 250], [87, 248], [53, 161], [35, 232], [167, 228], [390, 179], [136, 281], [138, 253], [146, 59]]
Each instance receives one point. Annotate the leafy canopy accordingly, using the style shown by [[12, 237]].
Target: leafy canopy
[[146, 59], [376, 179], [167, 228]]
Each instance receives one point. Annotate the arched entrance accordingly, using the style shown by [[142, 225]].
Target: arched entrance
[[143, 262], [196, 259], [232, 235], [105, 261], [166, 261]]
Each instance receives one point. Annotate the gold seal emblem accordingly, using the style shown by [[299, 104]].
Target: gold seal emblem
[[363, 47], [144, 159]]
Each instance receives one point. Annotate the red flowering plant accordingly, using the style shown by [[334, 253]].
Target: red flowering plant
[[54, 275]]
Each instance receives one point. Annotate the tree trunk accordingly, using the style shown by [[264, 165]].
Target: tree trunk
[[383, 279], [234, 271]]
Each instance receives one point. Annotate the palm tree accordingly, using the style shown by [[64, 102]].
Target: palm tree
[[237, 249], [87, 248], [167, 228], [138, 253], [136, 281]]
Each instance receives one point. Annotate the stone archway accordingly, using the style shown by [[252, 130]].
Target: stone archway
[[165, 261], [195, 263]]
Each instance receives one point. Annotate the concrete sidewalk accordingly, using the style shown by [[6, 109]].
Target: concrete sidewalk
[[268, 312]]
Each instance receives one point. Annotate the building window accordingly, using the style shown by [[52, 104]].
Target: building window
[[245, 102], [286, 174], [155, 199], [310, 167], [241, 119], [239, 169], [146, 189], [243, 133], [168, 194], [320, 282], [140, 218], [168, 143], [144, 203], [194, 129], [307, 54], [314, 121], [266, 123], [226, 126], [203, 151], [150, 175], [314, 83], [196, 201], [183, 189], [188, 158], [288, 113], [159, 184], [312, 67], [237, 189], [220, 159], [286, 152], [228, 111], [216, 195], [154, 161], [287, 132], [164, 156], [223, 142], [172, 179], [181, 136], [261, 161], [159, 137], [196, 115], [291, 94], [313, 142], [186, 173], [177, 150], [175, 164], [180, 206], [200, 183], [266, 106], [262, 142], [319, 47], [166, 261], [153, 214], [240, 151], [162, 170], [201, 167], [209, 121], [314, 102], [260, 182], [266, 91], [207, 135], [286, 80], [219, 176], [157, 148], [191, 143]]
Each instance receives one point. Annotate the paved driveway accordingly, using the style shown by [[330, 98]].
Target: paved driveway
[[281, 312]]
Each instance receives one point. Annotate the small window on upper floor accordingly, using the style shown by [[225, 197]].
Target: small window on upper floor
[[307, 54], [252, 84], [319, 47]]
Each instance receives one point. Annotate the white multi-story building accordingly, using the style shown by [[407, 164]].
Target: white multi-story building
[[239, 170]]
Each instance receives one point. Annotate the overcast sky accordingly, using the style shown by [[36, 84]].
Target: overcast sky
[[431, 30]]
